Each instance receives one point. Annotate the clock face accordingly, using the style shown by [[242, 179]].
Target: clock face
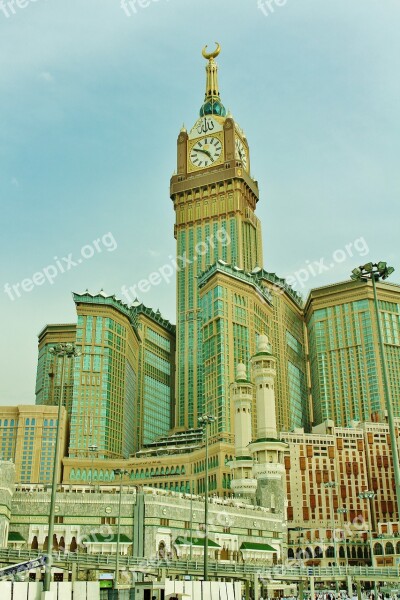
[[241, 153], [205, 152]]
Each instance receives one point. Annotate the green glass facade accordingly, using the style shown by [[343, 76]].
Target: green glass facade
[[234, 312], [288, 338], [156, 377], [48, 374], [105, 377]]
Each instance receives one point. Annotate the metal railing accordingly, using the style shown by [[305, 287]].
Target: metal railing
[[283, 572]]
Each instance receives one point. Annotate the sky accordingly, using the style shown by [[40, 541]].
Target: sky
[[92, 99]]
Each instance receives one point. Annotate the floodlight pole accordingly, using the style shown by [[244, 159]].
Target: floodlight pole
[[206, 420], [375, 272]]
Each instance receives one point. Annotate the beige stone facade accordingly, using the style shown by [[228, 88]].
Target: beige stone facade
[[27, 438]]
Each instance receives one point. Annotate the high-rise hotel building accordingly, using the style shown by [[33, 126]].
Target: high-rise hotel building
[[344, 359], [119, 392], [225, 299], [27, 438]]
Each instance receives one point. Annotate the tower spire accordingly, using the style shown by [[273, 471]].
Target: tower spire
[[212, 101]]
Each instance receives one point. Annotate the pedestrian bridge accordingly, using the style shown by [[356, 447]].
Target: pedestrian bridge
[[71, 561]]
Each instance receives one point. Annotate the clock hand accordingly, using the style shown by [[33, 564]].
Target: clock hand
[[204, 152]]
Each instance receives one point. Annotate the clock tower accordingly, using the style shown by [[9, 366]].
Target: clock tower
[[214, 200]]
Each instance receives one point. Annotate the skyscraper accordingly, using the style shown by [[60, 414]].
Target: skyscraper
[[105, 376], [27, 438], [346, 374], [153, 407], [214, 199], [48, 375]]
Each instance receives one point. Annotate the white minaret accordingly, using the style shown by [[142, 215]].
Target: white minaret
[[264, 373], [267, 450], [243, 483]]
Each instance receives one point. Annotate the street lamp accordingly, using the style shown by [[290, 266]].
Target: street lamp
[[206, 420], [374, 272], [343, 511], [330, 485], [92, 449], [369, 495], [62, 351], [119, 473]]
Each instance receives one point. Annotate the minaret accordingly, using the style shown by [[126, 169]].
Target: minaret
[[267, 450], [243, 483]]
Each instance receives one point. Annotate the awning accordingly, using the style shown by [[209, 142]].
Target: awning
[[258, 547], [182, 541], [14, 536]]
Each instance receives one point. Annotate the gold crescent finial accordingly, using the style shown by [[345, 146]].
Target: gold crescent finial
[[211, 55]]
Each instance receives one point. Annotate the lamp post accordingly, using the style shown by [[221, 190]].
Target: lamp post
[[374, 272], [206, 420], [120, 473], [191, 521], [343, 511], [330, 485], [62, 351], [369, 495], [92, 449]]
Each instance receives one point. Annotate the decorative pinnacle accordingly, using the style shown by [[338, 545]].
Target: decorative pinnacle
[[212, 102], [211, 55], [263, 344], [241, 372]]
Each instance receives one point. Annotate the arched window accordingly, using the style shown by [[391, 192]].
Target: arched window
[[398, 548], [330, 553], [318, 553], [389, 549], [35, 544], [341, 552], [290, 553], [378, 550], [309, 553], [73, 545]]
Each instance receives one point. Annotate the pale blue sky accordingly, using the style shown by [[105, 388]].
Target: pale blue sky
[[91, 103]]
